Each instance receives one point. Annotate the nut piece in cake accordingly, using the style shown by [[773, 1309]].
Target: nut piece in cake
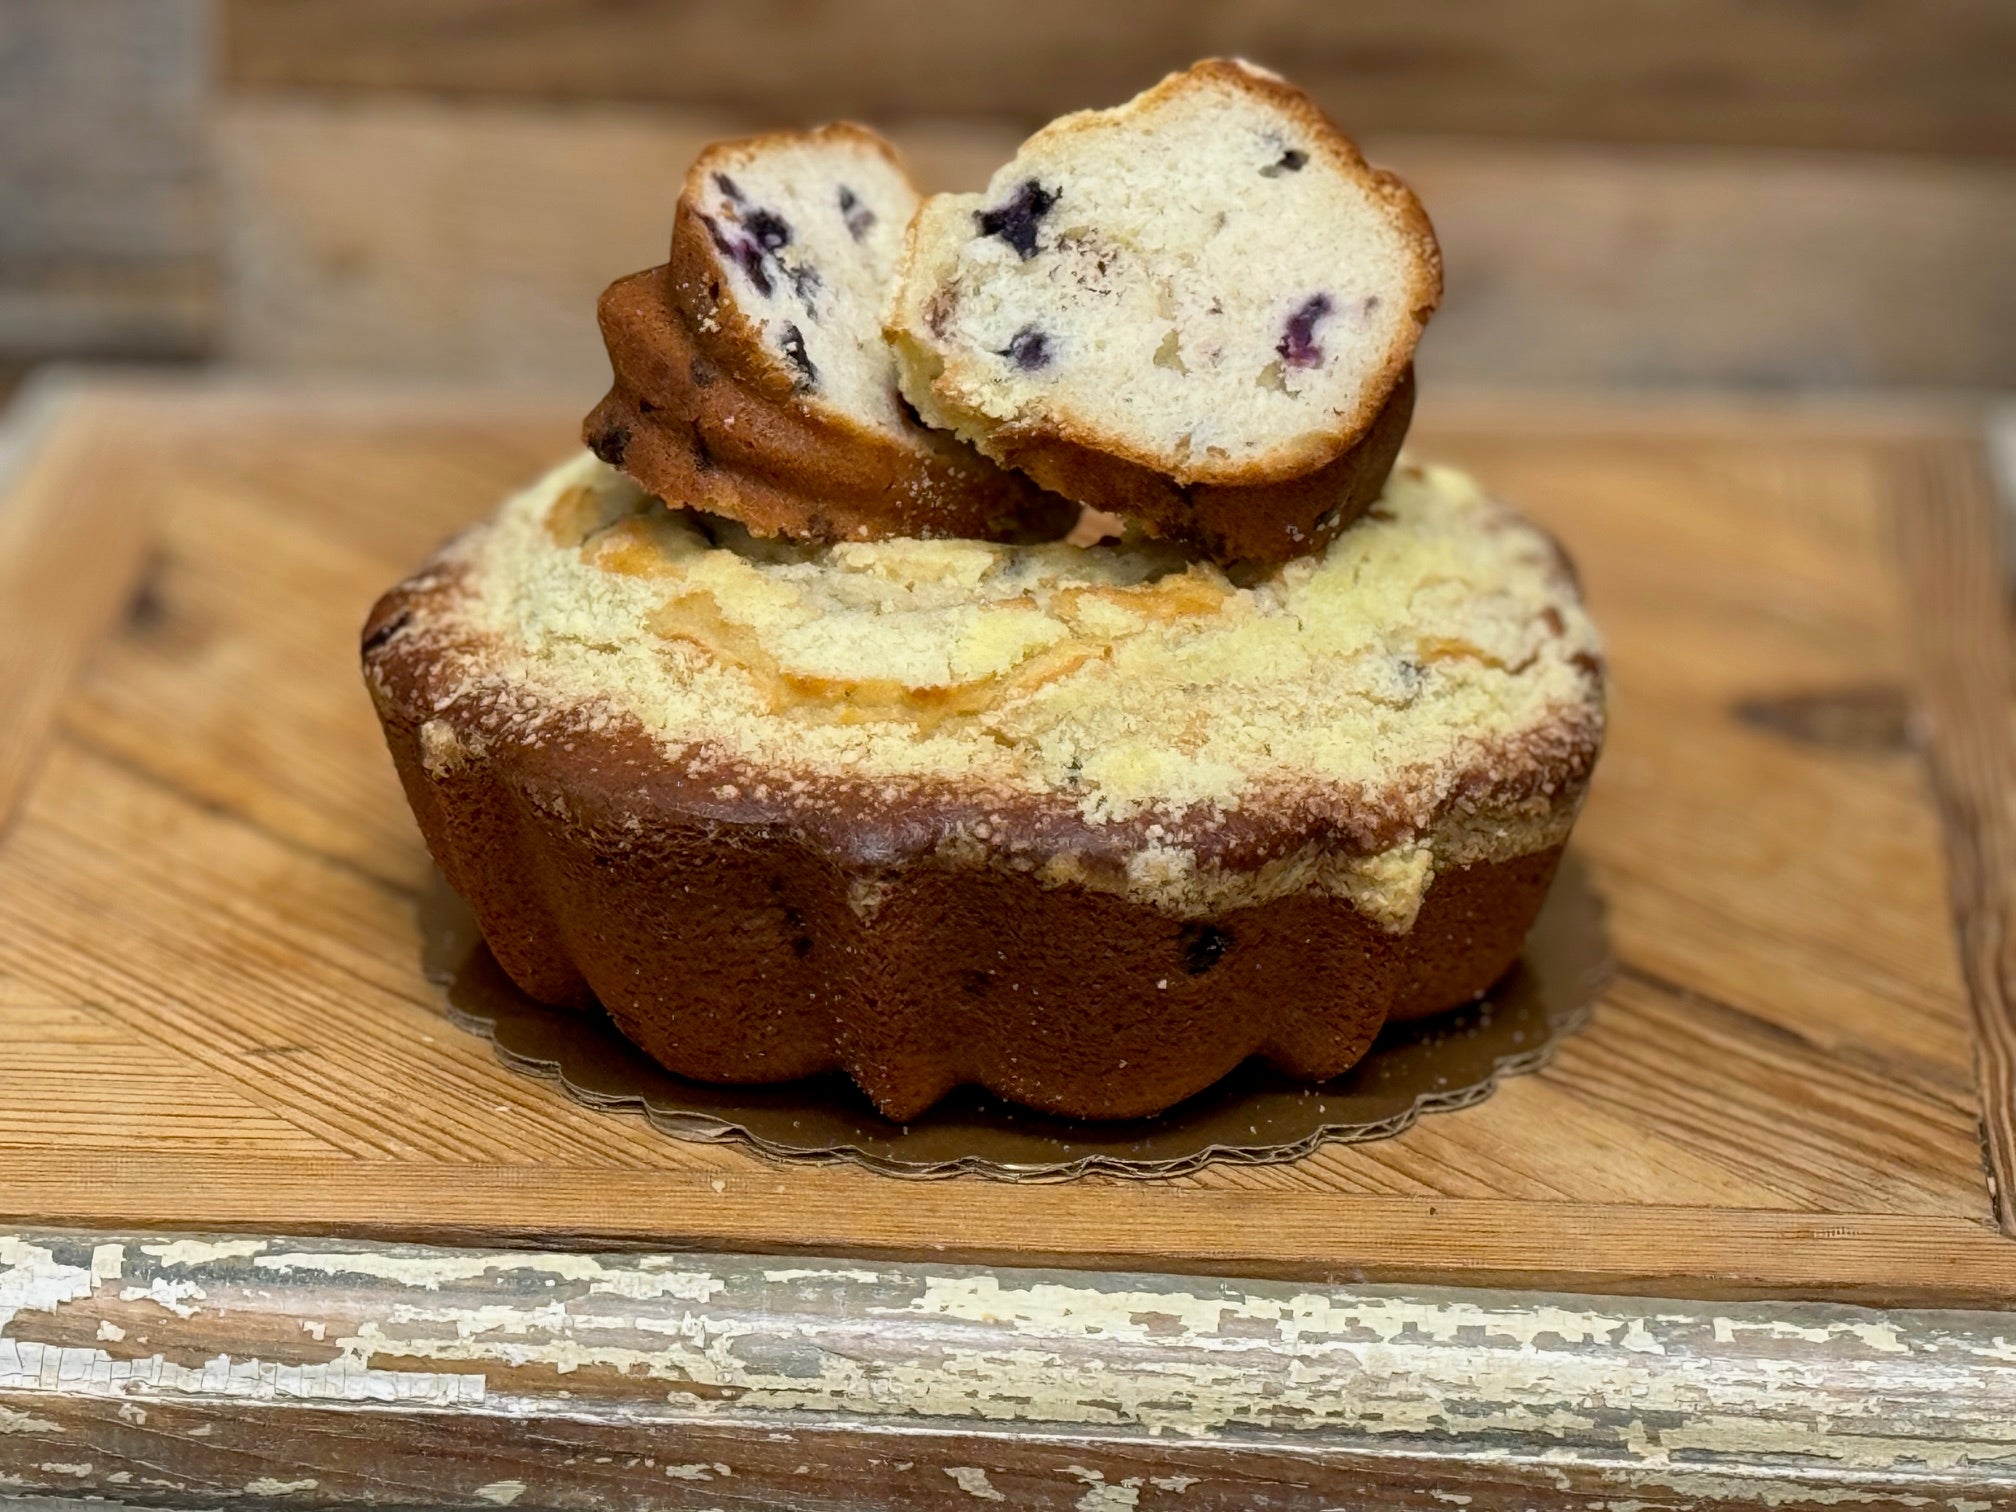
[[750, 374], [1197, 309]]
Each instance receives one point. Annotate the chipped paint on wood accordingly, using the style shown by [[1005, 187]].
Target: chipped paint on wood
[[1740, 1404], [974, 1482], [20, 1422], [181, 1252], [431, 1271]]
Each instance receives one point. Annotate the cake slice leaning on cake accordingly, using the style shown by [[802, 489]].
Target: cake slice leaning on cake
[[750, 375], [1196, 311]]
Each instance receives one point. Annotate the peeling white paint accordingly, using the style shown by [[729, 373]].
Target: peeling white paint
[[78, 1371], [20, 1422], [973, 1481], [173, 1295], [1664, 1395], [1102, 1496], [31, 1280], [267, 1486], [65, 1467], [431, 1271], [109, 1332], [502, 1493], [180, 1252]]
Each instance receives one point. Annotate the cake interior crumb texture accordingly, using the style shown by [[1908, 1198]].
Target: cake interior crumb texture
[[1205, 281], [808, 228], [1434, 647]]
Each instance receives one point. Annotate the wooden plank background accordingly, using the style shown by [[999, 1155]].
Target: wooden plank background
[[1882, 75], [107, 240], [1722, 191]]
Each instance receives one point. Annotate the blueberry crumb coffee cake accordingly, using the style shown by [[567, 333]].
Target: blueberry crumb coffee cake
[[1085, 826]]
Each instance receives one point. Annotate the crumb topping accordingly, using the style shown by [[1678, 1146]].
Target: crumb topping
[[1439, 637]]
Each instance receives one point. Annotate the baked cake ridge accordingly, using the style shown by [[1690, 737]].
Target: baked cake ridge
[[1424, 694]]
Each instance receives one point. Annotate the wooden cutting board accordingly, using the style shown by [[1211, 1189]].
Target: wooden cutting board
[[212, 1015]]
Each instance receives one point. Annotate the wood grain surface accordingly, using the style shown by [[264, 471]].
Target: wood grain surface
[[107, 235], [256, 1372], [1872, 74], [212, 1016], [472, 237]]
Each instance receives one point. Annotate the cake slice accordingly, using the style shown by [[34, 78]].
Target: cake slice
[[1197, 310], [751, 377]]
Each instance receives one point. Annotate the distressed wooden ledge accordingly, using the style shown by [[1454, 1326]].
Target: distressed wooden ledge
[[313, 1373]]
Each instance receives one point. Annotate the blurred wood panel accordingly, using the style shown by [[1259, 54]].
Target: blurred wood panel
[[107, 243], [1931, 75], [424, 238], [1658, 265], [471, 239]]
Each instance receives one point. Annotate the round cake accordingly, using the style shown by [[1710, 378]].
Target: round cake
[[1086, 827]]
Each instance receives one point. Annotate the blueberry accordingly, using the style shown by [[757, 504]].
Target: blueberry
[[857, 215], [386, 631], [1290, 161], [1028, 349], [1204, 945], [1015, 222], [741, 251], [728, 187], [750, 256], [769, 228], [1298, 346], [611, 444], [794, 352]]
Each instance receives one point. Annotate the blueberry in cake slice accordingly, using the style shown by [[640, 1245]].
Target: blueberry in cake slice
[[1197, 310], [751, 377]]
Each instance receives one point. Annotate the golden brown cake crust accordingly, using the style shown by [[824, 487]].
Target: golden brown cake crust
[[1261, 525], [738, 939], [698, 430], [704, 412]]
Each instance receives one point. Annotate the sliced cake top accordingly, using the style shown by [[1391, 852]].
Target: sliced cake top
[[790, 243], [1207, 281], [750, 375]]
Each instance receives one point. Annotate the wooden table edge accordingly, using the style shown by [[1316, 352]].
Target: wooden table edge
[[317, 1372]]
